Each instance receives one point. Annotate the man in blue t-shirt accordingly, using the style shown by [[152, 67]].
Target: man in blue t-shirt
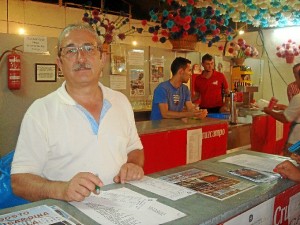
[[172, 99]]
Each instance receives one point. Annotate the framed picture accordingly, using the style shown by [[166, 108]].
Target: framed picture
[[45, 72]]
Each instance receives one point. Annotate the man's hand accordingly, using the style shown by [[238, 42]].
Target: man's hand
[[201, 113], [128, 172], [81, 186], [224, 108], [296, 157], [288, 170]]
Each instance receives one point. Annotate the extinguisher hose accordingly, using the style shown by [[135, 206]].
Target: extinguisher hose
[[12, 50]]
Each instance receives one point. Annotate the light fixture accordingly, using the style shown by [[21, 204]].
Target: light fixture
[[21, 31], [241, 32], [134, 43]]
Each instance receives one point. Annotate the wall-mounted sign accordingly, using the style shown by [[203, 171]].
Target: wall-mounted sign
[[45, 72], [35, 44]]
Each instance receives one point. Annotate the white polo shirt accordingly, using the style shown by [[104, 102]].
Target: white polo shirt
[[58, 137], [292, 114]]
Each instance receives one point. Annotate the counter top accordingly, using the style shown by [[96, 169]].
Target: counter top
[[200, 209], [147, 127]]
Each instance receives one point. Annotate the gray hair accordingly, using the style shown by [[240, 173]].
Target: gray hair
[[71, 27]]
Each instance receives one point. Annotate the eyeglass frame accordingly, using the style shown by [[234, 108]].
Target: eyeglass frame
[[97, 47]]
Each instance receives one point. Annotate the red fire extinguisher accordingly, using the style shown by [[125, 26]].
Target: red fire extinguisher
[[13, 71]]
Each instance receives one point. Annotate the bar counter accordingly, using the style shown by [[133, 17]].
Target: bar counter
[[155, 126], [200, 209], [171, 138]]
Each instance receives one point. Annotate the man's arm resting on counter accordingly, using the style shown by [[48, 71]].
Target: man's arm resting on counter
[[33, 187], [167, 114], [132, 169], [136, 157]]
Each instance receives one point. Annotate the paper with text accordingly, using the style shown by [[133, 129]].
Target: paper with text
[[41, 215], [255, 162], [163, 188], [93, 207]]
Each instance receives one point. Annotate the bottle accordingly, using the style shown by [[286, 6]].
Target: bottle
[[233, 110]]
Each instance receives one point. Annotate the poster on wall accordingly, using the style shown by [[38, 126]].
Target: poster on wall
[[219, 64], [118, 64], [136, 57], [137, 82], [157, 69], [117, 82]]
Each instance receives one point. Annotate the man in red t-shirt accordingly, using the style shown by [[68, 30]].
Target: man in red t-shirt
[[210, 88]]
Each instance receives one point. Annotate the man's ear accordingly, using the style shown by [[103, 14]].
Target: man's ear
[[58, 62], [181, 70]]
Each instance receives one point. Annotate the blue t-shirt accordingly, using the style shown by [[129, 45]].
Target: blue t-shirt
[[174, 97]]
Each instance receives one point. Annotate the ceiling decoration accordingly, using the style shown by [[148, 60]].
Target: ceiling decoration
[[258, 13]]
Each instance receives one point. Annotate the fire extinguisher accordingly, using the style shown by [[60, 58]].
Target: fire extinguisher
[[13, 71], [13, 68]]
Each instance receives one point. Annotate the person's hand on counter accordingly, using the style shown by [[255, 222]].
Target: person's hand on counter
[[288, 170], [200, 113], [295, 157], [224, 109]]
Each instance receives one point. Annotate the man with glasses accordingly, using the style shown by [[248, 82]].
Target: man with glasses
[[80, 137]]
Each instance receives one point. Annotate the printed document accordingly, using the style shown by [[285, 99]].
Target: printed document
[[125, 207], [41, 215], [163, 188], [254, 162]]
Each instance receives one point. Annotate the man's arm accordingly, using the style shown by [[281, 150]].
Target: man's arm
[[167, 114], [225, 107], [276, 115], [133, 168], [34, 188]]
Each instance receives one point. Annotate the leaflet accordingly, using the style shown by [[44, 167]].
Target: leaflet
[[254, 175], [41, 215]]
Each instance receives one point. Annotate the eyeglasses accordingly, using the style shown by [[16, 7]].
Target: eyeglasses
[[72, 51]]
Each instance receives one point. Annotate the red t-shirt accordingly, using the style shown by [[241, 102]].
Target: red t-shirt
[[210, 89]]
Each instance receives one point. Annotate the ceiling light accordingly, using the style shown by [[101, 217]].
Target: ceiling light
[[22, 31]]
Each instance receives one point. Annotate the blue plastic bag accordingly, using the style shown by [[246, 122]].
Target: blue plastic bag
[[7, 197]]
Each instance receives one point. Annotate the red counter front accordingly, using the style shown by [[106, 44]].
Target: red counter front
[[267, 135], [165, 150]]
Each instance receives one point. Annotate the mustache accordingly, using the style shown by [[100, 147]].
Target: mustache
[[80, 66]]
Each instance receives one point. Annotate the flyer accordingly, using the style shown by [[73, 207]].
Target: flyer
[[254, 175], [41, 215], [209, 184]]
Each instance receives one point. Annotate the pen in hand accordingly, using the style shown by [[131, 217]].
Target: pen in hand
[[97, 188]]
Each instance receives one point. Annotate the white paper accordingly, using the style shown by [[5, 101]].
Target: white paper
[[194, 145], [294, 209], [41, 215], [163, 188], [279, 130], [255, 162], [35, 44], [136, 57], [65, 214], [114, 198], [109, 215], [117, 82], [259, 215]]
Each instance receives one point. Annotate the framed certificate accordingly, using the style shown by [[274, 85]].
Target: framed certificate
[[45, 72]]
